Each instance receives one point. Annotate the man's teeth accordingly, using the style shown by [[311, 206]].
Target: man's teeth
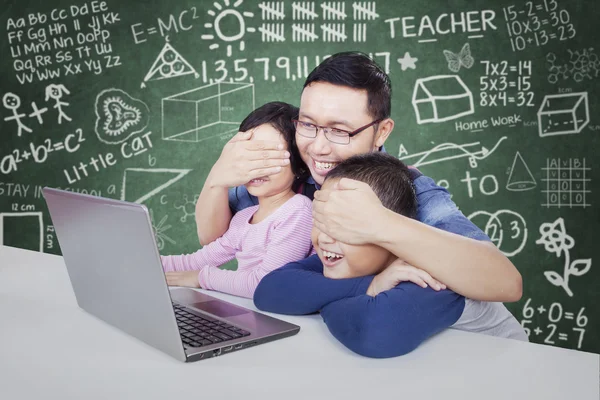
[[324, 165], [258, 180], [331, 255]]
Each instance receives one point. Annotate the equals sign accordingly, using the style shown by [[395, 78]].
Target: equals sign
[[562, 336], [553, 36], [544, 22], [539, 7], [151, 31], [512, 84], [58, 146], [568, 315], [511, 99], [513, 69]]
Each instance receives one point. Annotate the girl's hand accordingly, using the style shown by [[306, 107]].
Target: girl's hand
[[397, 272], [186, 279]]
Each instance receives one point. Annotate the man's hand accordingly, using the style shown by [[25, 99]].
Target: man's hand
[[397, 272], [349, 212], [243, 159], [186, 279]]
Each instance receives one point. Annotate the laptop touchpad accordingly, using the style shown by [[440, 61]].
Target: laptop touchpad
[[219, 308]]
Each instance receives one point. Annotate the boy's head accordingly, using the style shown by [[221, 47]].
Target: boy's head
[[347, 91], [390, 180], [273, 121]]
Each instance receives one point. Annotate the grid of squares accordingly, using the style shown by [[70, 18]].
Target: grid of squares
[[566, 183]]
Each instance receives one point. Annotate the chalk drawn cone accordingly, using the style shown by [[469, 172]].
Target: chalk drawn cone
[[520, 178]]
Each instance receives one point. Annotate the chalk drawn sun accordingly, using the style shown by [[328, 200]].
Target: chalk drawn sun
[[227, 17]]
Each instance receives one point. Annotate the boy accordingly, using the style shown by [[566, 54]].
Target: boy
[[382, 316]]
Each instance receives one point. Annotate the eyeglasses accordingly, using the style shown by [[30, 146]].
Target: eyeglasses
[[338, 136]]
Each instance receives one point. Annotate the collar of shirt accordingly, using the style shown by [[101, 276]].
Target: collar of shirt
[[311, 181]]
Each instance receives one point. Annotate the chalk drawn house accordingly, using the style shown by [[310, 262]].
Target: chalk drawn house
[[441, 98]]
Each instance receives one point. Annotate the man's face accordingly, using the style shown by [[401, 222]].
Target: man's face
[[342, 260], [276, 183], [338, 107]]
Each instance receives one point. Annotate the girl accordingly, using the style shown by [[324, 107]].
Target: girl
[[263, 237]]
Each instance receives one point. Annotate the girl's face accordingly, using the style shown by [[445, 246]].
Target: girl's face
[[276, 183]]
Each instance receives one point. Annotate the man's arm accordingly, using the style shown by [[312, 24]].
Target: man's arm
[[300, 288], [213, 214], [240, 161], [394, 322], [450, 247], [454, 254]]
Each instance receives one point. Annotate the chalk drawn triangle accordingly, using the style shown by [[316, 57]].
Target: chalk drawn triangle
[[168, 64], [136, 182], [520, 178]]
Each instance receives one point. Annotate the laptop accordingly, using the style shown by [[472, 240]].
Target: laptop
[[112, 259]]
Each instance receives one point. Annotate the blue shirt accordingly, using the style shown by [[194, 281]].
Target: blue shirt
[[390, 324], [435, 207]]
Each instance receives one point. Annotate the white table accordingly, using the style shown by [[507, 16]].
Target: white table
[[51, 349]]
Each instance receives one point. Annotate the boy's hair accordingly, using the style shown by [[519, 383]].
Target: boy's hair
[[280, 115], [356, 70], [386, 175]]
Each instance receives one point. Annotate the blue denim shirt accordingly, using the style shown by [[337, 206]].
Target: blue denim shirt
[[435, 207]]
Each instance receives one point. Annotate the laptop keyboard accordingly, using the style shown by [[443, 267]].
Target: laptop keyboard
[[203, 331]]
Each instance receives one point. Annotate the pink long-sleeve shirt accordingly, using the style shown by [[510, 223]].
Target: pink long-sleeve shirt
[[282, 237]]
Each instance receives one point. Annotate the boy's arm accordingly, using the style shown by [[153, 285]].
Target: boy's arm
[[290, 241], [394, 322], [301, 288]]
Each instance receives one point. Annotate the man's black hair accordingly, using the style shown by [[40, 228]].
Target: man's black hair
[[356, 70], [386, 175]]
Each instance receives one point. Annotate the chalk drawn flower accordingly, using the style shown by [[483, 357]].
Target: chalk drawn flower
[[554, 237], [556, 240]]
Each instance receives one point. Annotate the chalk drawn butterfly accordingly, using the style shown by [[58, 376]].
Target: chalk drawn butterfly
[[463, 58]]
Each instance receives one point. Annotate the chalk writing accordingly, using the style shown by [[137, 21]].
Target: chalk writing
[[555, 314], [566, 183], [537, 24], [504, 84], [56, 44], [39, 153]]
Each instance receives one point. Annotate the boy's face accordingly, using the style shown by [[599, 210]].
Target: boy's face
[[276, 183], [341, 260], [339, 107]]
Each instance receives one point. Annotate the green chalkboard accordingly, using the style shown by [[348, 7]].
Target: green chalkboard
[[134, 100]]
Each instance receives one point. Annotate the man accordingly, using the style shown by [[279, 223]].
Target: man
[[345, 110]]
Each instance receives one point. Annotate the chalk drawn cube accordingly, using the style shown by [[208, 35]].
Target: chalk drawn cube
[[563, 114], [206, 112], [441, 98]]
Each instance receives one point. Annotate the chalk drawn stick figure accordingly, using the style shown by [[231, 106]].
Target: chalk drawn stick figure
[[11, 101], [56, 93]]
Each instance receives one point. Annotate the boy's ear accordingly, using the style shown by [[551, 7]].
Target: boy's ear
[[383, 132]]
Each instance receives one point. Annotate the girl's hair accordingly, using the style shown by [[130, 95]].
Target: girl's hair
[[280, 115]]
